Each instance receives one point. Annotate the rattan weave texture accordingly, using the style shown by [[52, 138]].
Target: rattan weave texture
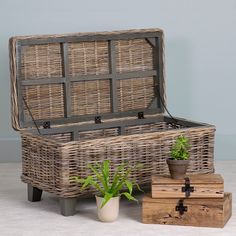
[[69, 80], [49, 163]]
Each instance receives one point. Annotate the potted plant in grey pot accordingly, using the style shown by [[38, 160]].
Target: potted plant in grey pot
[[110, 190], [178, 163]]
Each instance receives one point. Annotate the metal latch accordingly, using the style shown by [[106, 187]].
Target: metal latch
[[187, 188], [97, 120], [47, 125], [181, 208], [140, 115]]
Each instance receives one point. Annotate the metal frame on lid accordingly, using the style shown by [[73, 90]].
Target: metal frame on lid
[[153, 38]]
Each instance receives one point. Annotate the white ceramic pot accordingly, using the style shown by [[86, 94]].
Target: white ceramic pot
[[110, 211]]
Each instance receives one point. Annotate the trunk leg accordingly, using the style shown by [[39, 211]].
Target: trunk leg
[[34, 194], [68, 206]]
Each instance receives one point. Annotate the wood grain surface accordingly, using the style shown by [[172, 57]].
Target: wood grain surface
[[205, 186], [200, 212]]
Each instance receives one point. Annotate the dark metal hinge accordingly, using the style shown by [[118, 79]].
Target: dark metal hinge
[[181, 208], [187, 188], [141, 115], [47, 125], [98, 120]]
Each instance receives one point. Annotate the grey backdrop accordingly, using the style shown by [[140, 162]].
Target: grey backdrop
[[200, 53]]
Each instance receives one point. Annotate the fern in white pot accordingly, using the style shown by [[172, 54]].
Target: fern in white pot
[[110, 190]]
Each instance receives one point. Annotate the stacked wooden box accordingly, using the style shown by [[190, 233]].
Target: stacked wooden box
[[197, 200]]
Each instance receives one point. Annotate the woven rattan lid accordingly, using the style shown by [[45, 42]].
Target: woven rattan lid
[[71, 78]]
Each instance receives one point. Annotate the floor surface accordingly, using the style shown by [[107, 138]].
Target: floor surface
[[18, 217]]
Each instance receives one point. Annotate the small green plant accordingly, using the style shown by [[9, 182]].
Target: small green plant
[[180, 148], [109, 188]]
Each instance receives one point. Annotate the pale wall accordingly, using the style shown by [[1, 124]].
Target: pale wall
[[200, 53]]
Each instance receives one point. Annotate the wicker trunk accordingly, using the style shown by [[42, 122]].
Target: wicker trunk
[[83, 98]]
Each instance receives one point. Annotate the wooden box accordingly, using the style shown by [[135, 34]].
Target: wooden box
[[82, 98], [193, 186], [207, 212]]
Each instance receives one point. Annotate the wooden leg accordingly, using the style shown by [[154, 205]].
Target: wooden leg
[[68, 206], [34, 194]]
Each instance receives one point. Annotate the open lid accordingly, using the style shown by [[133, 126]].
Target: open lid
[[76, 77]]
